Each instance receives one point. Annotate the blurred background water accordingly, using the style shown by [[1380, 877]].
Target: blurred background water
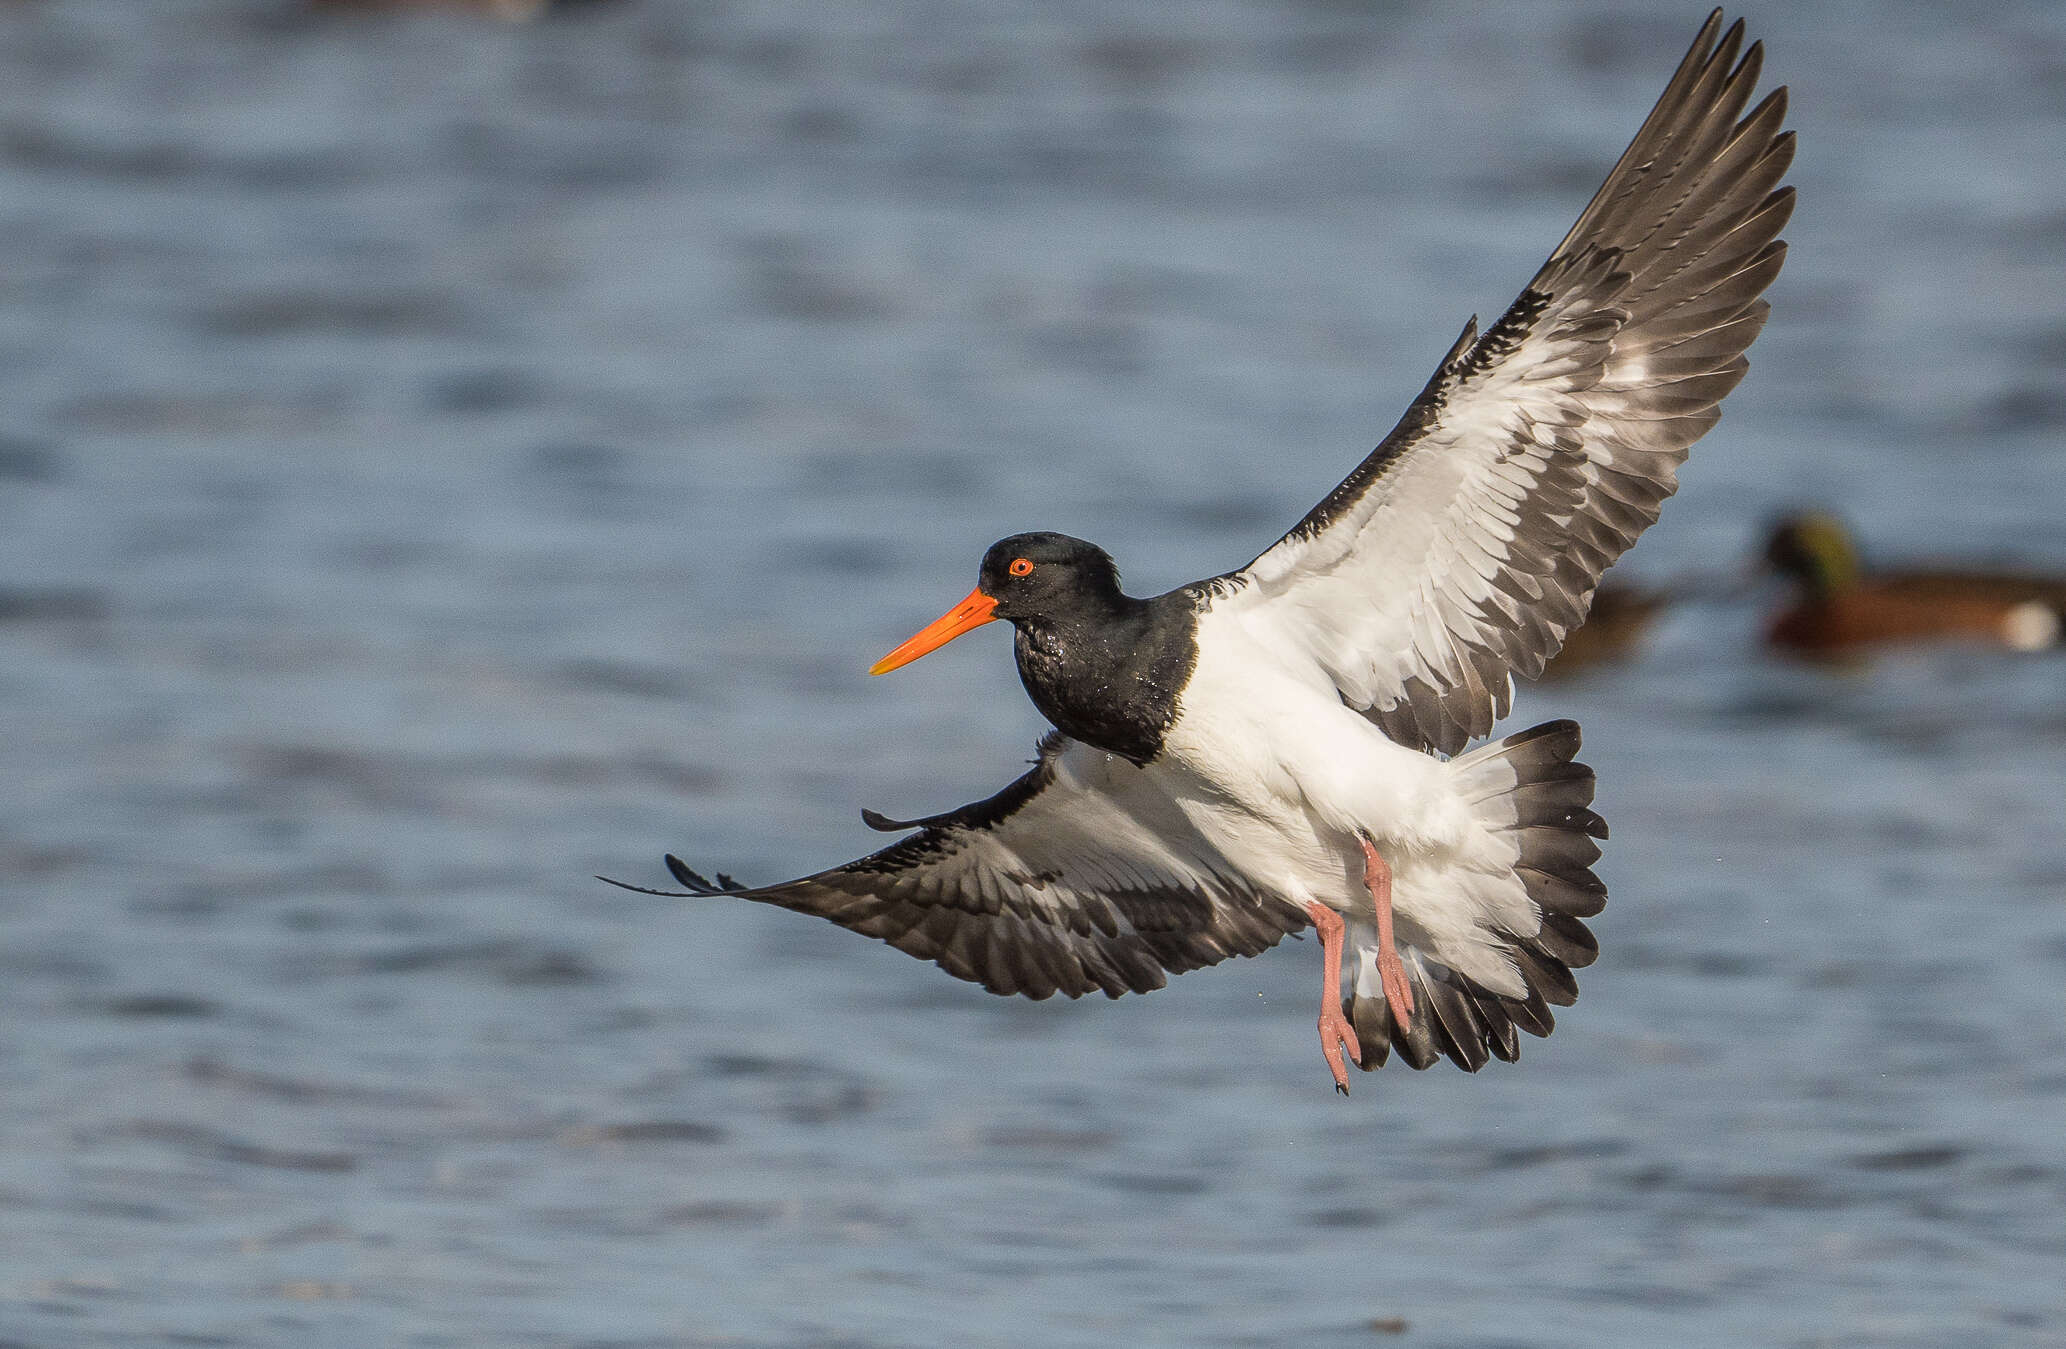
[[441, 459]]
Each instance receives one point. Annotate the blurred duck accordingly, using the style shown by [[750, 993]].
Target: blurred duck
[[1840, 607], [1615, 625]]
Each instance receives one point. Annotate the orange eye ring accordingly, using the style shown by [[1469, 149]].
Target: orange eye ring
[[1021, 566]]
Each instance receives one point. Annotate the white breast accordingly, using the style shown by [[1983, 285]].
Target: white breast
[[1271, 738]]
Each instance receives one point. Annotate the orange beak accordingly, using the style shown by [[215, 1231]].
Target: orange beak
[[972, 612]]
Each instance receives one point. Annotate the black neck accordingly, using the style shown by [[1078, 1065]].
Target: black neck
[[1110, 674]]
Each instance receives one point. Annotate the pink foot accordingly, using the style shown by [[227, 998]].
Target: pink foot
[[1335, 1030], [1398, 993]]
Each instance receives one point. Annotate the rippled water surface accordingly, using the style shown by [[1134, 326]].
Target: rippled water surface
[[441, 460]]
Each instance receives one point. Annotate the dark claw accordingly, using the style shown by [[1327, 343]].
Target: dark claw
[[1342, 1087]]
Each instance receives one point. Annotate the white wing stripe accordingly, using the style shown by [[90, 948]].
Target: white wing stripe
[[1469, 543]]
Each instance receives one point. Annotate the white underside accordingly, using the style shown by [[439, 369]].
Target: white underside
[[1268, 762]]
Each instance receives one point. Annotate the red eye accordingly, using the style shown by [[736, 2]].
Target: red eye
[[1021, 566]]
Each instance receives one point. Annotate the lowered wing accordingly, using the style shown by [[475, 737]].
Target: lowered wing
[[1081, 876]]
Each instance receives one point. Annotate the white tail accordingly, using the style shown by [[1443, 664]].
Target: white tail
[[1531, 790]]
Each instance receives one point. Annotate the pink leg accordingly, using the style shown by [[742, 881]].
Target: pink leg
[[1335, 1030], [1398, 993]]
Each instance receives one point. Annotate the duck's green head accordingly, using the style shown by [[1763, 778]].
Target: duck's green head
[[1815, 549]]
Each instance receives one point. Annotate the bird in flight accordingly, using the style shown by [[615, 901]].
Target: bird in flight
[[1288, 745]]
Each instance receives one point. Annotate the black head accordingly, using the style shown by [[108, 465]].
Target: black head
[[1027, 578], [1814, 549], [1034, 576], [1102, 666]]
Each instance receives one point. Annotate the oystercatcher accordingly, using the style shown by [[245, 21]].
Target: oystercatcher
[[1286, 745]]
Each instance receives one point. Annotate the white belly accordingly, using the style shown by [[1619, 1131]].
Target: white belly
[[1284, 774]]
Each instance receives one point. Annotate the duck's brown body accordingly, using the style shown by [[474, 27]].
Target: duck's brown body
[[1840, 607]]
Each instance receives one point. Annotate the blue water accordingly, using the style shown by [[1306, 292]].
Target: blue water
[[441, 460]]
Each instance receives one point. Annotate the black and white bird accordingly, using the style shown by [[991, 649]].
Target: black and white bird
[[1286, 745]]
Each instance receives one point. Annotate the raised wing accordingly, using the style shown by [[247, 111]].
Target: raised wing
[[1469, 543], [1081, 876]]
